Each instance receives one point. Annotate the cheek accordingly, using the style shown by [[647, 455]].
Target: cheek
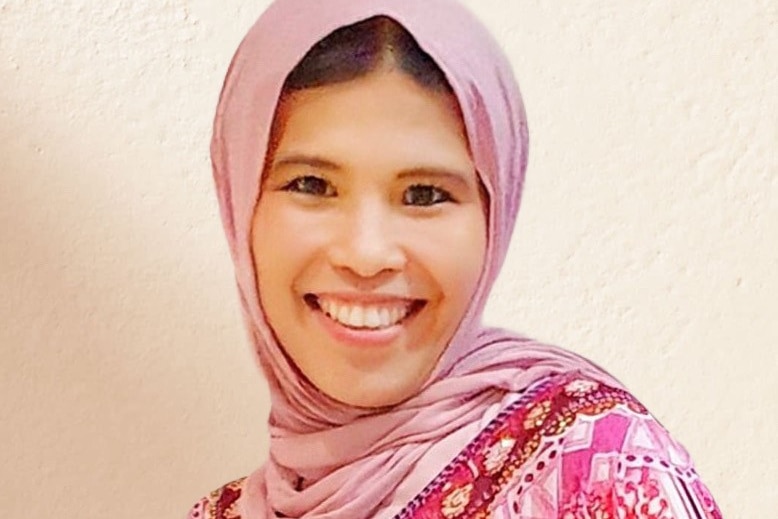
[[465, 267], [455, 257], [282, 241]]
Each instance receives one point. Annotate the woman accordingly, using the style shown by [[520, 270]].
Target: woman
[[369, 158]]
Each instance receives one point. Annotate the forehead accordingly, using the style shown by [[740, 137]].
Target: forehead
[[382, 114]]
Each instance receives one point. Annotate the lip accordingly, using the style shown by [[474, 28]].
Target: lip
[[362, 337]]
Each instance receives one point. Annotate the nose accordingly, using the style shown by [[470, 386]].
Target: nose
[[368, 242]]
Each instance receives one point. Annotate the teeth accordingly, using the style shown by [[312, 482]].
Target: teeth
[[342, 314], [372, 319], [385, 317], [358, 316]]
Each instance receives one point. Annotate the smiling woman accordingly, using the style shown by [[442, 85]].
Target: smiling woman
[[369, 175], [342, 231]]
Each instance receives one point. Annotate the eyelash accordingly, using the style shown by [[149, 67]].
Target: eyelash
[[298, 185], [440, 195]]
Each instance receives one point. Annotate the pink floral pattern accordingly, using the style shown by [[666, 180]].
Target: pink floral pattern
[[570, 448]]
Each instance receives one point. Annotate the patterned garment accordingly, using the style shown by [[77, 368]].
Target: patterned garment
[[569, 448]]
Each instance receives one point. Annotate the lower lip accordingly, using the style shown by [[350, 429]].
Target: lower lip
[[359, 337]]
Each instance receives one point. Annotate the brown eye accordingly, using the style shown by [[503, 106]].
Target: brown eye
[[310, 185], [425, 195]]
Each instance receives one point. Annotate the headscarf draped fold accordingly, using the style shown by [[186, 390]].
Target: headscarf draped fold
[[351, 459]]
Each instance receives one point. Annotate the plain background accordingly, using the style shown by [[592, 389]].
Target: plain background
[[647, 240]]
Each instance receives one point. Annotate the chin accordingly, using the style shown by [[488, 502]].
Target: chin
[[376, 397]]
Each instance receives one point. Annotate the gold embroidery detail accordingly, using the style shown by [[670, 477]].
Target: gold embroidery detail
[[456, 502], [537, 415], [580, 387], [497, 454]]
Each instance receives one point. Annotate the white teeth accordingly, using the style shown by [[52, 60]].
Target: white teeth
[[358, 316], [342, 314], [372, 319], [385, 318]]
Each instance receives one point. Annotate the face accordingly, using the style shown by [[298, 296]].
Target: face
[[369, 235]]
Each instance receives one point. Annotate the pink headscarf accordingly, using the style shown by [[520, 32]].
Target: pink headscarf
[[351, 459]]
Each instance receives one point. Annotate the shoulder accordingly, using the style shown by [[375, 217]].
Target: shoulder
[[570, 447], [599, 450], [222, 503]]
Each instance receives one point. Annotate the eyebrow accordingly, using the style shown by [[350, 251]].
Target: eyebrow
[[306, 160], [437, 173], [454, 175]]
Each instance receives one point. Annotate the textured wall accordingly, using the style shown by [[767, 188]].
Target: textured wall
[[647, 240]]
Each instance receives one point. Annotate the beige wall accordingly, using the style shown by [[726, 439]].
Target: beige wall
[[647, 240]]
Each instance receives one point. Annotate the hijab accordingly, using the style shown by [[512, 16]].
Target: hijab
[[352, 459]]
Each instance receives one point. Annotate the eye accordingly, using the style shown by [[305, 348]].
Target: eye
[[310, 185], [426, 195]]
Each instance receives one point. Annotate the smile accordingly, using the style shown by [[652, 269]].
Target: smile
[[365, 316]]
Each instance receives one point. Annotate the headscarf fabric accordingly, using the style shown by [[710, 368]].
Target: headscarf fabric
[[352, 459]]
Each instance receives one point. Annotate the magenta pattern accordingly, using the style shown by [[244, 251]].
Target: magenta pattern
[[570, 448], [219, 504]]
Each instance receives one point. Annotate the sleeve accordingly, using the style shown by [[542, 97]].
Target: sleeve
[[619, 465], [615, 461]]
